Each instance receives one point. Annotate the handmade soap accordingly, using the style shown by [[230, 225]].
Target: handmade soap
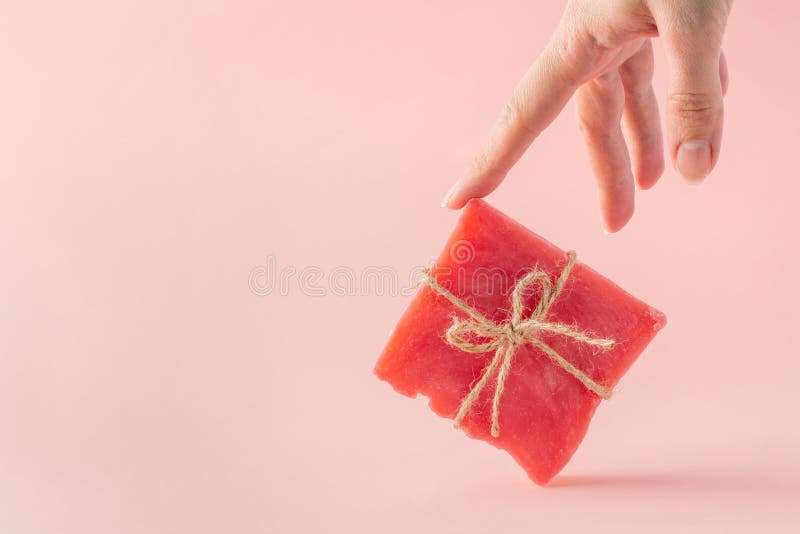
[[502, 308]]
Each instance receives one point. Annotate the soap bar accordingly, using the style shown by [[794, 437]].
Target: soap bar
[[544, 411]]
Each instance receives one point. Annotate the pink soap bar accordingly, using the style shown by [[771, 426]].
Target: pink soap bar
[[544, 411]]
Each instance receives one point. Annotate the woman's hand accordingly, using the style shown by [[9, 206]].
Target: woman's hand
[[601, 53]]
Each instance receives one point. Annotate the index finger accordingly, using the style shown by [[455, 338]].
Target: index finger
[[538, 98]]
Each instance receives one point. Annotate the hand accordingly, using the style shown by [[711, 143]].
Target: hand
[[602, 54]]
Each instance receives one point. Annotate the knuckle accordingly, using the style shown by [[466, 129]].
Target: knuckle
[[638, 89], [513, 115], [708, 16], [576, 52], [488, 168], [482, 163], [599, 105], [697, 110], [595, 135]]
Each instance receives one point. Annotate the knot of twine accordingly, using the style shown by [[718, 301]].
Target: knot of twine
[[504, 338]]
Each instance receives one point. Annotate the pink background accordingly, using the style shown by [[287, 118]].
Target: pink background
[[154, 154]]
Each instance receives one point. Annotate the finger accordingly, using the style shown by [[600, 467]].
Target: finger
[[692, 35], [641, 117], [600, 104], [723, 72], [539, 97]]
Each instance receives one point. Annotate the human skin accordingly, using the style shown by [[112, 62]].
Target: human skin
[[601, 54]]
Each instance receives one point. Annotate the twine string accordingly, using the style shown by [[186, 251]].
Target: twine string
[[504, 338]]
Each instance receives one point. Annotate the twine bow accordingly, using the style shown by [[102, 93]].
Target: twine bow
[[504, 338]]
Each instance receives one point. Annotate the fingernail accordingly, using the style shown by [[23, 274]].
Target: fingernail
[[694, 160], [448, 196]]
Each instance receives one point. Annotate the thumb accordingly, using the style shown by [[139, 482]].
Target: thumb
[[692, 34]]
